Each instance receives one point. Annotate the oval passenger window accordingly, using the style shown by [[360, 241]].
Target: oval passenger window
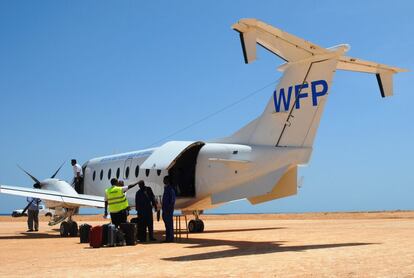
[[147, 171], [127, 172], [137, 171], [101, 174], [109, 174], [117, 173], [93, 175]]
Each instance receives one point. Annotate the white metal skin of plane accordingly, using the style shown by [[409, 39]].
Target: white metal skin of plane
[[258, 162]]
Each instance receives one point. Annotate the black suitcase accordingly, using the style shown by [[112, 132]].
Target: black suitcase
[[105, 234], [130, 232], [120, 238], [84, 233]]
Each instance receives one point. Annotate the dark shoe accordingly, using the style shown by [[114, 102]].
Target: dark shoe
[[167, 241], [153, 239], [28, 231], [36, 230]]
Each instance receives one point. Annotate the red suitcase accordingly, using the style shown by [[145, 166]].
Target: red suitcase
[[95, 237]]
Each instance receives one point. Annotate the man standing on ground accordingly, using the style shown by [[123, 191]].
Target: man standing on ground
[[144, 202], [77, 176], [168, 202], [33, 214], [116, 200]]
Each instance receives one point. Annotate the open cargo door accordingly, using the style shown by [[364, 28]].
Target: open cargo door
[[179, 158]]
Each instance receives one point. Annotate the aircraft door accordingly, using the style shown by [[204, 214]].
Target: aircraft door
[[127, 168]]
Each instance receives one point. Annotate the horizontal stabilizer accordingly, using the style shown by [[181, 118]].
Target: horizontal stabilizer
[[77, 200]]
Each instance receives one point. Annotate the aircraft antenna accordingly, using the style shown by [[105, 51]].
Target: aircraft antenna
[[255, 92]]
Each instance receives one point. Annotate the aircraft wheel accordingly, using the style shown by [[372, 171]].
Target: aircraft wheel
[[64, 229], [200, 225], [192, 226], [73, 230]]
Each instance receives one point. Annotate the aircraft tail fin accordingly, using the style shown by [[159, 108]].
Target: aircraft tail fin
[[293, 113]]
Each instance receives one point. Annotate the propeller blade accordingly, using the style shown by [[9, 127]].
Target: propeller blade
[[54, 175], [33, 178]]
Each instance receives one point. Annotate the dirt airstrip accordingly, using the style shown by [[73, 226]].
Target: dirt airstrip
[[379, 244]]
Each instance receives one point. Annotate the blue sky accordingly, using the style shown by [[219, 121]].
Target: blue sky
[[89, 78]]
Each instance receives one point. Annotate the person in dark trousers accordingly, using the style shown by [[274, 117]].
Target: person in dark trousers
[[33, 214], [77, 176], [144, 202], [116, 201], [168, 202]]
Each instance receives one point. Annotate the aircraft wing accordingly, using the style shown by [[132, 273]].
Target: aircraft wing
[[78, 200]]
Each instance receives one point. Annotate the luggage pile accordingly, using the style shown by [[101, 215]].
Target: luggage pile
[[108, 235]]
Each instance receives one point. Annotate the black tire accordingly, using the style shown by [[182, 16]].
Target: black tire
[[64, 229], [200, 226], [192, 226], [73, 229]]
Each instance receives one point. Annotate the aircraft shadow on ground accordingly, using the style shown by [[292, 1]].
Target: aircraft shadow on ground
[[32, 235], [242, 230], [245, 248]]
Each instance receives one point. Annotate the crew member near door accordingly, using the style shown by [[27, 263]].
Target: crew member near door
[[77, 176], [144, 202], [168, 202], [117, 202]]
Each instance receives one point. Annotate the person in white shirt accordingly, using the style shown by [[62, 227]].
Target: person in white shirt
[[77, 176]]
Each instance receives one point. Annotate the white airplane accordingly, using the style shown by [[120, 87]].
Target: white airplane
[[258, 162]]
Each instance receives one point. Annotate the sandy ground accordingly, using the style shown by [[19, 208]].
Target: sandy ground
[[377, 244]]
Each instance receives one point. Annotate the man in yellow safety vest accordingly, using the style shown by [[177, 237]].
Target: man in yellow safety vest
[[117, 202]]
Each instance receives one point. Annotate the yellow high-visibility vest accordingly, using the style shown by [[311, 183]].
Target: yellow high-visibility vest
[[117, 200]]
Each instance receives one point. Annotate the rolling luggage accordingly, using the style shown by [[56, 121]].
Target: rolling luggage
[[84, 233], [141, 231], [120, 238], [130, 232], [112, 235], [105, 234], [95, 237]]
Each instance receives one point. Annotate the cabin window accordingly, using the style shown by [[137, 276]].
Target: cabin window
[[127, 172], [147, 171], [158, 172], [94, 175], [118, 171], [109, 174], [137, 171], [101, 174]]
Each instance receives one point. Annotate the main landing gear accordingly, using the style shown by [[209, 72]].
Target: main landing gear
[[196, 225], [69, 227]]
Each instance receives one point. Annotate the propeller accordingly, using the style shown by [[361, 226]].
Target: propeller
[[37, 183], [57, 171]]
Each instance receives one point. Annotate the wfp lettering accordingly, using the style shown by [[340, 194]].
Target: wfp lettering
[[318, 88]]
